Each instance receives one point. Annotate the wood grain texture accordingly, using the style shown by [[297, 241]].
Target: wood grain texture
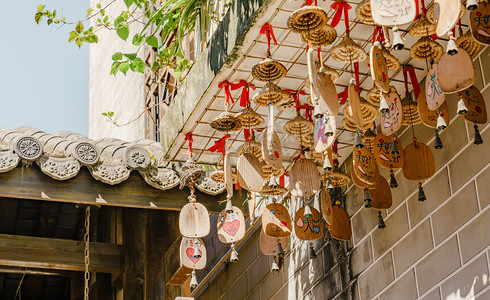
[[429, 117], [231, 226], [455, 72], [273, 158], [327, 94], [433, 93], [479, 22], [250, 172], [390, 13], [382, 152], [446, 15], [194, 220], [187, 258], [304, 178], [381, 194], [322, 141], [340, 228], [391, 121], [276, 221], [326, 203], [228, 175], [379, 73], [308, 228], [477, 110], [419, 162], [358, 182], [365, 167], [355, 105], [269, 245]]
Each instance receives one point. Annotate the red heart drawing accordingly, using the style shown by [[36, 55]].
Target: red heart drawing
[[231, 227], [190, 254]]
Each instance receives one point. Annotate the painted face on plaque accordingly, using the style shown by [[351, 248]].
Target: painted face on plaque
[[382, 151], [231, 226], [434, 95], [391, 121], [308, 228], [393, 12], [477, 110], [276, 221], [365, 166], [479, 21], [188, 256]]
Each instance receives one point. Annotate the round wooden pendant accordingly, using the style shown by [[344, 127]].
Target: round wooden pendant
[[250, 172], [446, 15], [340, 228], [365, 167], [355, 105], [390, 13], [326, 203], [382, 152], [194, 220], [322, 141], [231, 226], [269, 245], [379, 73], [304, 178], [228, 175], [188, 257], [479, 22], [308, 228], [327, 94], [391, 121], [272, 158], [358, 182], [433, 93], [381, 194], [477, 110], [455, 72], [276, 221], [419, 162], [429, 117]]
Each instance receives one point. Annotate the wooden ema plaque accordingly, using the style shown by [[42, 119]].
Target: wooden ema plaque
[[382, 152], [273, 158], [433, 93], [250, 172], [187, 258], [429, 117], [381, 194], [419, 162], [194, 220], [446, 15], [455, 72], [308, 228], [365, 167], [379, 73], [322, 141], [276, 221], [390, 13], [327, 94], [355, 104], [358, 182], [231, 226], [228, 175], [310, 61], [304, 178], [477, 110], [340, 228], [391, 121], [269, 245], [479, 22], [326, 203]]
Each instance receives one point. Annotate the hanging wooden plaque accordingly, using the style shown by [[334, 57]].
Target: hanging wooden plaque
[[358, 182], [231, 226], [434, 95], [326, 203], [228, 175], [419, 162], [269, 245], [187, 253], [355, 105], [429, 117], [273, 158], [455, 72], [276, 221], [379, 73], [308, 228], [194, 220], [250, 172], [479, 22], [477, 110], [381, 194], [391, 121], [446, 15], [304, 178], [382, 152], [310, 61], [322, 141], [340, 228], [365, 167], [327, 94], [390, 13]]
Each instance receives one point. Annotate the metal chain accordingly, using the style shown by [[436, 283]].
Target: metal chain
[[86, 252]]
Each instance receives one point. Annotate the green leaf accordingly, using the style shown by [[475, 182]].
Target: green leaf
[[79, 27], [138, 65], [123, 32], [104, 114], [128, 2], [138, 39], [115, 67], [152, 41], [98, 6], [117, 56], [73, 35], [49, 21], [89, 11], [38, 17], [40, 7], [124, 67], [110, 113], [130, 56], [79, 42]]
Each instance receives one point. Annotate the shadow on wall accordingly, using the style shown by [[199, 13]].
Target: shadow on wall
[[468, 290]]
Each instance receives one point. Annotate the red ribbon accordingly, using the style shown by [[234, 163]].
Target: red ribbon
[[343, 95], [282, 180], [413, 78], [356, 73], [244, 98], [246, 133], [295, 94], [269, 33], [226, 85], [220, 145], [308, 109], [339, 7], [378, 34], [188, 137]]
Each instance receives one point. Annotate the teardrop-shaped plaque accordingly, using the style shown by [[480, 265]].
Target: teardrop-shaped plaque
[[308, 228], [455, 72], [446, 15], [276, 221], [434, 95], [188, 257], [419, 162], [194, 220], [358, 182], [379, 73], [365, 167], [382, 152], [355, 105], [391, 121], [250, 170], [304, 178], [477, 110], [381, 194], [390, 13], [479, 21], [322, 141], [326, 203], [327, 94], [231, 226], [340, 228], [429, 117]]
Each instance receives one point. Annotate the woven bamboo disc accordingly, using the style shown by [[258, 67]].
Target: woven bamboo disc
[[252, 147], [430, 13], [426, 49], [307, 140], [226, 122], [307, 19], [322, 37], [316, 156], [337, 177], [373, 96], [289, 103], [348, 51], [276, 191], [273, 93], [267, 171], [350, 125], [392, 63], [299, 126], [410, 111], [368, 139], [219, 176], [363, 12], [422, 28], [333, 74], [468, 43], [369, 114], [268, 70], [250, 119]]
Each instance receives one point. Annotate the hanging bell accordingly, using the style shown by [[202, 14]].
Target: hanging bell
[[438, 142], [381, 222], [195, 247], [393, 183], [397, 39], [307, 213], [317, 112], [358, 142], [275, 267], [471, 4], [193, 280], [478, 139], [273, 182], [280, 251], [328, 128], [327, 165], [312, 252], [462, 109], [367, 198], [421, 196], [229, 206], [329, 184], [451, 48], [234, 254], [441, 124], [394, 148], [383, 105]]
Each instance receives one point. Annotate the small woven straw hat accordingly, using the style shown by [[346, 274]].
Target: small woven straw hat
[[425, 49], [368, 139], [392, 63], [267, 171], [307, 140], [322, 37], [468, 43], [307, 19], [410, 111], [333, 74], [369, 114], [268, 70], [422, 28], [249, 118], [363, 12], [219, 176], [226, 122], [273, 93], [373, 95], [348, 51], [337, 177], [316, 156], [350, 125], [252, 147], [430, 13], [299, 126], [287, 104], [276, 191]]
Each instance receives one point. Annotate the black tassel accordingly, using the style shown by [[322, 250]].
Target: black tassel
[[393, 183], [438, 142], [421, 196], [381, 222], [312, 252], [280, 251], [367, 198], [478, 139]]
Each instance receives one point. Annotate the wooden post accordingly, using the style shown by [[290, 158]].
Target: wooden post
[[76, 286], [134, 221]]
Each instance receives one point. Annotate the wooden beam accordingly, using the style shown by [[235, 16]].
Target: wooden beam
[[134, 225], [58, 254], [34, 271], [31, 183]]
